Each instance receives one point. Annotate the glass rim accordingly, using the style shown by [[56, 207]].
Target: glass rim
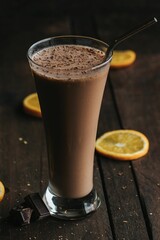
[[105, 62]]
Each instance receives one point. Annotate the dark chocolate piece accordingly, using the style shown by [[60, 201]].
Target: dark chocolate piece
[[35, 202], [21, 215]]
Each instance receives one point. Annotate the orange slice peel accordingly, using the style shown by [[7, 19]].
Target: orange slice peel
[[2, 191], [123, 58], [31, 105], [123, 144]]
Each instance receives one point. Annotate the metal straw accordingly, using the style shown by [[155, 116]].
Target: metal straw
[[129, 34]]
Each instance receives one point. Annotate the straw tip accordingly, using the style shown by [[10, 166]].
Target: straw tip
[[155, 19]]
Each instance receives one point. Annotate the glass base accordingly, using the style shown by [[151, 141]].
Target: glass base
[[71, 208]]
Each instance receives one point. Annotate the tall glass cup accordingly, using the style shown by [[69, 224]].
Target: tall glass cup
[[70, 73]]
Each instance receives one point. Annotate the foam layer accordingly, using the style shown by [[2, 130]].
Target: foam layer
[[69, 57]]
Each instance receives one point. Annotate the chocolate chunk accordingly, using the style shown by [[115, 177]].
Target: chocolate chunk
[[32, 209], [21, 215], [35, 202]]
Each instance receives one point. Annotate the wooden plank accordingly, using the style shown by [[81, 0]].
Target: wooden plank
[[144, 116], [125, 203], [137, 99], [142, 94]]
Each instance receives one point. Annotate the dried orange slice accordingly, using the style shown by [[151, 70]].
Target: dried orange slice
[[2, 191], [31, 105], [123, 144], [123, 58]]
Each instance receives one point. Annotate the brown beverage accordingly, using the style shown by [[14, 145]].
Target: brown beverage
[[70, 80], [70, 108]]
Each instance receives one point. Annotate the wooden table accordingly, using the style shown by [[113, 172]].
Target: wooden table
[[130, 191]]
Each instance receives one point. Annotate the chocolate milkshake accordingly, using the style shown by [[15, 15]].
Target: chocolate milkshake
[[70, 80]]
